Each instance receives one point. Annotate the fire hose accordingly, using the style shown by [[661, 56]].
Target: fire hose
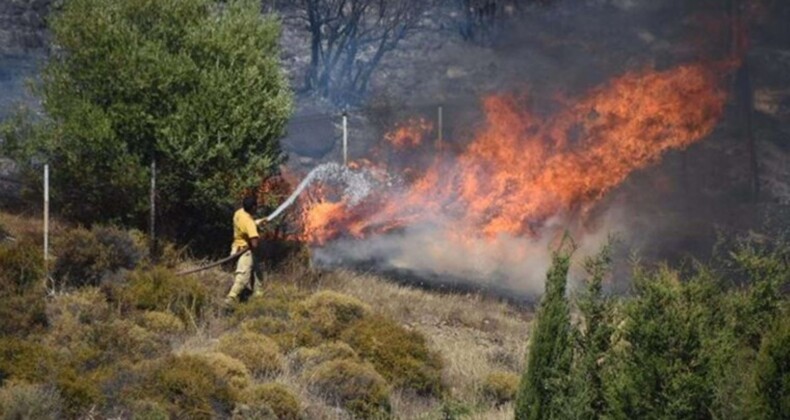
[[287, 203]]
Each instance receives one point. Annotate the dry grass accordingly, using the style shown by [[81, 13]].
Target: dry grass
[[473, 334]]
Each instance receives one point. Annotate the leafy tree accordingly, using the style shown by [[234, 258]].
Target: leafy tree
[[193, 84], [543, 384]]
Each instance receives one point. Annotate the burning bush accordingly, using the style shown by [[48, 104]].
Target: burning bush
[[188, 387], [329, 313], [400, 355], [85, 257], [233, 371], [160, 290], [500, 387], [307, 358], [282, 401], [27, 401], [259, 353], [355, 386]]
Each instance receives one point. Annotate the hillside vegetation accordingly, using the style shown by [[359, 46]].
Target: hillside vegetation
[[110, 335]]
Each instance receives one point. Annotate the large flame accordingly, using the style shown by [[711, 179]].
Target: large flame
[[521, 168]]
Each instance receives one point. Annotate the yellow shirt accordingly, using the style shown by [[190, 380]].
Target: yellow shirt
[[244, 229]]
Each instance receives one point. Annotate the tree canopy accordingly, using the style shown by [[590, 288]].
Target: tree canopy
[[194, 84]]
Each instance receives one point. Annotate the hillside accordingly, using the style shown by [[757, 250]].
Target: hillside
[[119, 338]]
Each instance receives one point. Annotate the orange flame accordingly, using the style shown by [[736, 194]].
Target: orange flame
[[409, 134], [521, 169]]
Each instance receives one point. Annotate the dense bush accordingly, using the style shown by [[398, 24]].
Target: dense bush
[[26, 401], [541, 389], [22, 292], [160, 289], [500, 387], [188, 387], [401, 356], [329, 313], [282, 401], [354, 386], [253, 412], [25, 360], [306, 358], [148, 410], [85, 257], [259, 353], [233, 371], [164, 323], [772, 374]]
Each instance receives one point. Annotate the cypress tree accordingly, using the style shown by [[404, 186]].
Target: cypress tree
[[550, 353]]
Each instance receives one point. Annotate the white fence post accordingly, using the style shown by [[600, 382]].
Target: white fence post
[[46, 221], [152, 222], [345, 138], [441, 128]]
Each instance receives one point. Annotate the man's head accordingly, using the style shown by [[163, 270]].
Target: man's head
[[250, 204]]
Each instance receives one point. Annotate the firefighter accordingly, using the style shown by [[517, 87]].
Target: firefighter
[[245, 236]]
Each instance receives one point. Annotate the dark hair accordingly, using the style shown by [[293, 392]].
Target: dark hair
[[249, 204]]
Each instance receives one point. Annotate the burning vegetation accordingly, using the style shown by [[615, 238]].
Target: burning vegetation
[[523, 168]]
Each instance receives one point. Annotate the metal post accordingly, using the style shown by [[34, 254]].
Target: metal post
[[441, 128], [152, 223], [345, 138], [46, 219]]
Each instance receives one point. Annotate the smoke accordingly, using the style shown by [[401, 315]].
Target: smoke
[[510, 266]]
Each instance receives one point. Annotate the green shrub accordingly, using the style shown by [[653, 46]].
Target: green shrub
[[22, 293], [399, 355], [24, 360], [278, 302], [308, 357], [500, 387], [148, 410], [161, 322], [542, 385], [354, 386], [260, 353], [233, 371], [78, 391], [772, 374], [278, 397], [329, 313], [188, 387], [26, 401], [253, 412], [161, 290], [85, 257]]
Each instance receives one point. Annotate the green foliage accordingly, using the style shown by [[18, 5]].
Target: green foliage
[[400, 355], [772, 374], [85, 257], [160, 289], [188, 387], [543, 384], [329, 313], [164, 323], [196, 85], [306, 358], [259, 353], [27, 401], [148, 410], [592, 341], [233, 371], [21, 288], [25, 360], [355, 386], [78, 391], [284, 404], [500, 387]]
